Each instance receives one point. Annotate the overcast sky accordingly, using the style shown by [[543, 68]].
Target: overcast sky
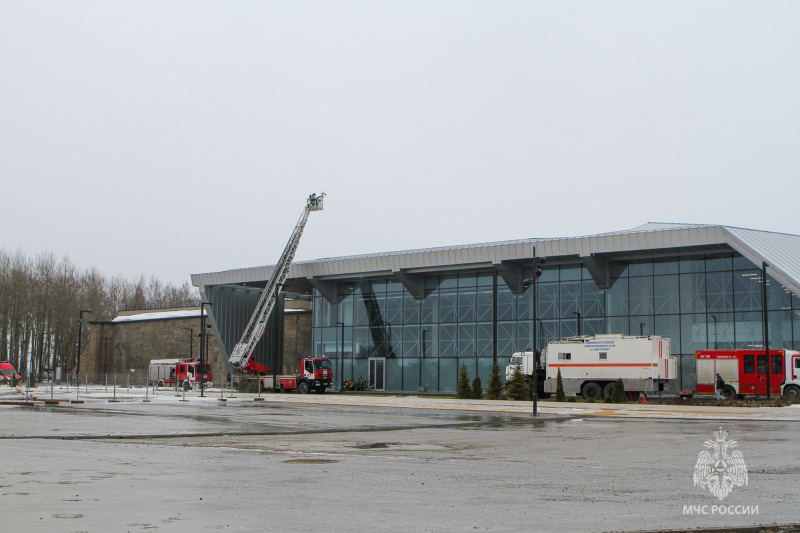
[[180, 137]]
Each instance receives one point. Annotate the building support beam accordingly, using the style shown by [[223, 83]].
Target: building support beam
[[328, 289], [414, 284], [512, 275], [600, 270]]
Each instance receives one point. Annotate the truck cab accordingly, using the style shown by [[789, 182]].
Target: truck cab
[[8, 375]]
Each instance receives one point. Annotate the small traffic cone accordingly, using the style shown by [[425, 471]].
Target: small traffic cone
[[644, 398]]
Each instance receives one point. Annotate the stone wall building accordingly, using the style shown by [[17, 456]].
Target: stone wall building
[[125, 345]]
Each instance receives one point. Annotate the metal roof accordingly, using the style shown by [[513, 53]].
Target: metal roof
[[780, 251]]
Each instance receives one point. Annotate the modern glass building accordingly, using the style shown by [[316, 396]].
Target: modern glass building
[[406, 320]]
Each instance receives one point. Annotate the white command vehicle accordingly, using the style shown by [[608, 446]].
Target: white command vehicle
[[591, 365]]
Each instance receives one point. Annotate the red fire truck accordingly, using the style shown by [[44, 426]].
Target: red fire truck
[[183, 372], [745, 372], [315, 373]]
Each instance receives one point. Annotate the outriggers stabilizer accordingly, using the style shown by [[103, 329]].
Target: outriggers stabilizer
[[243, 351]]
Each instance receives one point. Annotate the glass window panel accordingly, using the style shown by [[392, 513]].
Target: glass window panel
[[617, 298], [448, 282], [643, 325], [777, 363], [394, 308], [718, 264], [319, 311], [448, 301], [570, 273], [721, 331], [485, 369], [669, 327], [761, 363], [525, 305], [347, 370], [619, 270], [393, 285], [484, 304], [719, 291], [429, 309], [466, 340], [780, 329], [484, 342], [447, 340], [548, 274], [361, 341], [693, 293], [394, 340], [641, 295], [749, 361], [412, 378], [742, 263], [345, 310], [548, 332], [393, 373], [430, 373], [471, 363], [485, 279], [568, 328], [448, 374], [547, 294], [778, 296], [378, 286], [640, 268], [666, 297], [429, 339], [410, 310], [506, 337], [505, 304], [686, 368], [592, 300], [467, 280], [411, 337], [466, 305], [796, 330], [618, 325], [665, 266], [593, 326], [431, 283], [693, 334], [749, 332], [747, 290], [690, 265], [361, 369], [570, 298], [524, 336]]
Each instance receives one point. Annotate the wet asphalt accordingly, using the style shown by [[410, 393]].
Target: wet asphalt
[[244, 465]]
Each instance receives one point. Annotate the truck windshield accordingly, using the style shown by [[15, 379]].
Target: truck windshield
[[323, 364], [516, 361], [8, 371], [206, 368]]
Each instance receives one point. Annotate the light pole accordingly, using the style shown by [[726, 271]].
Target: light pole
[[341, 352], [78, 365], [202, 336], [191, 341], [105, 354], [579, 322], [764, 266], [525, 283]]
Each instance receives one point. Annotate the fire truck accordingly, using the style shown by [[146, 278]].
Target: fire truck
[[745, 372], [315, 373], [179, 372]]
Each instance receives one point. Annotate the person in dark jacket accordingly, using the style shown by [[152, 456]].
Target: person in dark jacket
[[720, 385]]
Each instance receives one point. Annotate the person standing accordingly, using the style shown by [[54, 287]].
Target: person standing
[[720, 385]]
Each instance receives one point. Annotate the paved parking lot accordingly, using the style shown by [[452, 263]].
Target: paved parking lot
[[299, 463]]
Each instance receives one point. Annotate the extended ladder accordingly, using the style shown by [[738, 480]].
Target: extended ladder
[[244, 349]]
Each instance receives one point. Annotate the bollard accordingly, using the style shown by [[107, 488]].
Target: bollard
[[184, 392], [106, 382], [114, 399], [146, 391], [222, 390]]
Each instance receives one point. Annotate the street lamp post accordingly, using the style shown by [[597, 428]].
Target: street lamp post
[[714, 318], [202, 336], [105, 354], [525, 283], [341, 352], [78, 365]]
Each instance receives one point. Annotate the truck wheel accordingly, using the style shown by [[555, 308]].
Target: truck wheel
[[591, 390], [608, 389], [728, 392], [302, 387], [791, 393]]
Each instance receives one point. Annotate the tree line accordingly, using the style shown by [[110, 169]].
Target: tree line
[[41, 298]]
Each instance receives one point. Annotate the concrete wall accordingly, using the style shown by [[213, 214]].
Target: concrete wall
[[131, 344]]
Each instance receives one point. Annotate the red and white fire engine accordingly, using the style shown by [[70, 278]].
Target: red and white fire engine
[[745, 372], [315, 373], [180, 372]]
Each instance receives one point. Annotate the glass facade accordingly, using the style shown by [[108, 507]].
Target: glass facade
[[698, 302]]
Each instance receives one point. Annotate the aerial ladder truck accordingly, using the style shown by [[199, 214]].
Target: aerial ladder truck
[[242, 353]]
